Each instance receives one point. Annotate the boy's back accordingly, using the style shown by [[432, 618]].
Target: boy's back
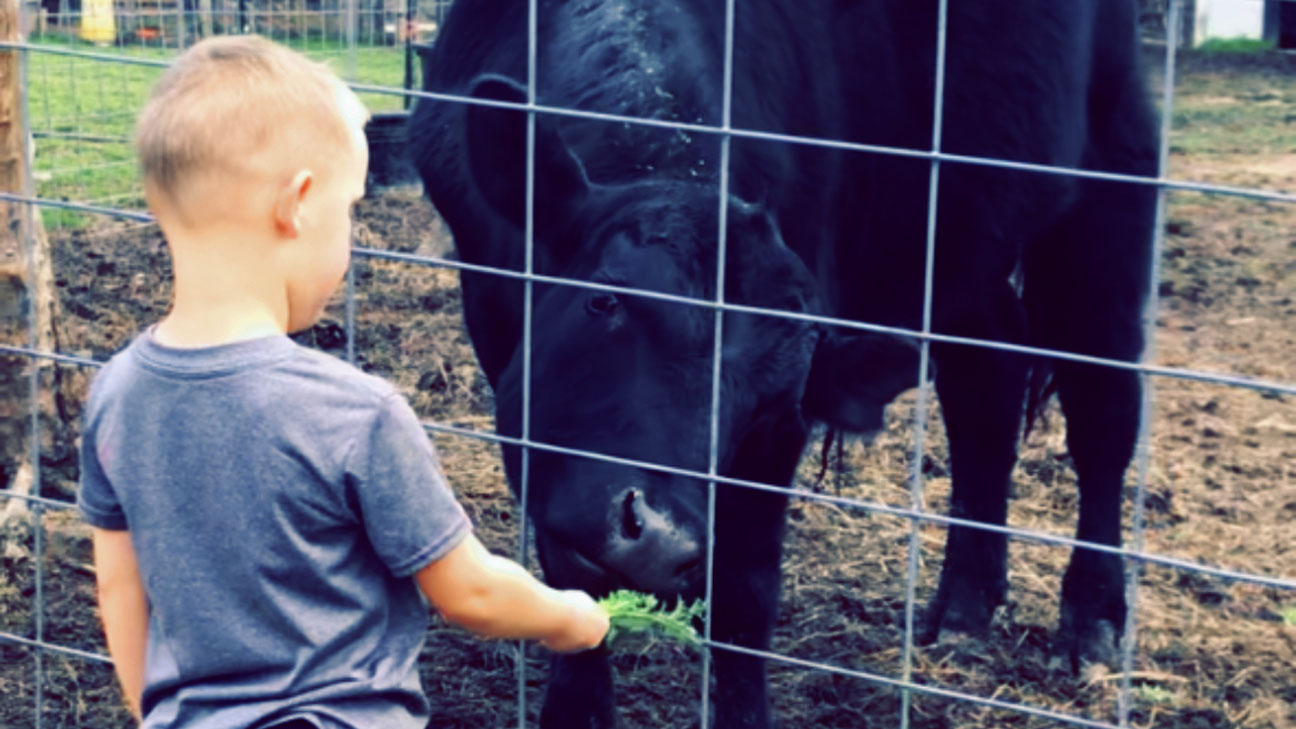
[[252, 472]]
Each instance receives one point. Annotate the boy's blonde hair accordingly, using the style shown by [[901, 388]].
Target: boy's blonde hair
[[228, 102]]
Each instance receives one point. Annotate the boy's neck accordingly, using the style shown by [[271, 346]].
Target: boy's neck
[[222, 293], [211, 329]]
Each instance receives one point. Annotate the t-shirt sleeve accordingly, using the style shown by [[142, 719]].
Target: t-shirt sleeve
[[409, 512], [96, 499]]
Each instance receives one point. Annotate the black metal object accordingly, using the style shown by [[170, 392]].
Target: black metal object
[[1286, 30], [410, 14], [389, 164], [424, 52]]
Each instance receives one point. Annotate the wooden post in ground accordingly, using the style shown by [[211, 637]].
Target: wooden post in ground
[[26, 281], [205, 18]]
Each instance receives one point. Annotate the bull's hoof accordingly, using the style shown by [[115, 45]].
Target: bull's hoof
[[958, 610], [949, 623], [1092, 612], [1082, 644]]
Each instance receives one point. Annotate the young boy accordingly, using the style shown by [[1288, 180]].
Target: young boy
[[265, 517]]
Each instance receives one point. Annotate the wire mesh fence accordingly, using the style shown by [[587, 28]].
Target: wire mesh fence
[[92, 86], [85, 85]]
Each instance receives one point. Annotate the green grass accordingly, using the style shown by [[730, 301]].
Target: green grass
[[1155, 695], [1235, 45], [1289, 616], [1220, 113], [82, 111]]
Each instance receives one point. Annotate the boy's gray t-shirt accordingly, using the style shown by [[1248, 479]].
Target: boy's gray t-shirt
[[279, 501]]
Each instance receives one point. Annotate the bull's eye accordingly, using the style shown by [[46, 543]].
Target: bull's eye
[[602, 303]]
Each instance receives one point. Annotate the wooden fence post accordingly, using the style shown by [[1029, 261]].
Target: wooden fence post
[[205, 18], [26, 280]]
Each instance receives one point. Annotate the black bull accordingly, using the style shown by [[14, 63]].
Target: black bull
[[1042, 259]]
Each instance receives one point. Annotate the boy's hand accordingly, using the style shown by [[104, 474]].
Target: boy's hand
[[587, 625]]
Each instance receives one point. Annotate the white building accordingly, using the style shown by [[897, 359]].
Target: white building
[[1254, 19]]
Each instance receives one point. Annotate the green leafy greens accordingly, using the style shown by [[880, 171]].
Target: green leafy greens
[[637, 613]]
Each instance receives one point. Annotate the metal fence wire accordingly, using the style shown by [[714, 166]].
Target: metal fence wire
[[80, 124]]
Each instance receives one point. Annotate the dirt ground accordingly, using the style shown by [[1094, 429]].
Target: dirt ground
[[1211, 653]]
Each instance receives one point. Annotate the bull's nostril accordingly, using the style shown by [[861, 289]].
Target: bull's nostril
[[632, 524]]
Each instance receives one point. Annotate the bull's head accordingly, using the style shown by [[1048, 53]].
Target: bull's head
[[631, 376]]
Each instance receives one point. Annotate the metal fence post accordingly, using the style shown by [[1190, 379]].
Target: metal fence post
[[922, 406], [717, 349], [1133, 567], [180, 25], [528, 304], [352, 19]]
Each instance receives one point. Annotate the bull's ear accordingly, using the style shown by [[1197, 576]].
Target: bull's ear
[[760, 269], [855, 375], [497, 152]]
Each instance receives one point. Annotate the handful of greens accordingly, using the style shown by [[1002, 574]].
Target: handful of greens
[[631, 612]]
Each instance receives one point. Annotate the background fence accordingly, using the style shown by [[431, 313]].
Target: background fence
[[86, 78]]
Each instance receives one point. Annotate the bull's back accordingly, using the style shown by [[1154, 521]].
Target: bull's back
[[1042, 83], [1038, 82]]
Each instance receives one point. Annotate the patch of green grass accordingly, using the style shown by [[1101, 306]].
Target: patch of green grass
[[82, 112], [1235, 45], [1245, 128], [1288, 616], [1155, 694], [1216, 113]]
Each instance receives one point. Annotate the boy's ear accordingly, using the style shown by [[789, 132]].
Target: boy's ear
[[288, 203]]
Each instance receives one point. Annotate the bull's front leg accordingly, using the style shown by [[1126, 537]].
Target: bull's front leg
[[580, 694], [744, 602]]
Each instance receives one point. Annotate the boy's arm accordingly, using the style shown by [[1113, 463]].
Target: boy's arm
[[495, 597], [123, 607]]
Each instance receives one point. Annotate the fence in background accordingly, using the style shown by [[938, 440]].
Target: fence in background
[[84, 170], [92, 89]]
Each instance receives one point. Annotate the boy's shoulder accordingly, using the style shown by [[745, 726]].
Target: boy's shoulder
[[112, 374], [279, 363], [319, 403], [331, 369]]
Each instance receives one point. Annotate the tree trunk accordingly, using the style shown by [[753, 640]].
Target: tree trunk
[[26, 280]]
